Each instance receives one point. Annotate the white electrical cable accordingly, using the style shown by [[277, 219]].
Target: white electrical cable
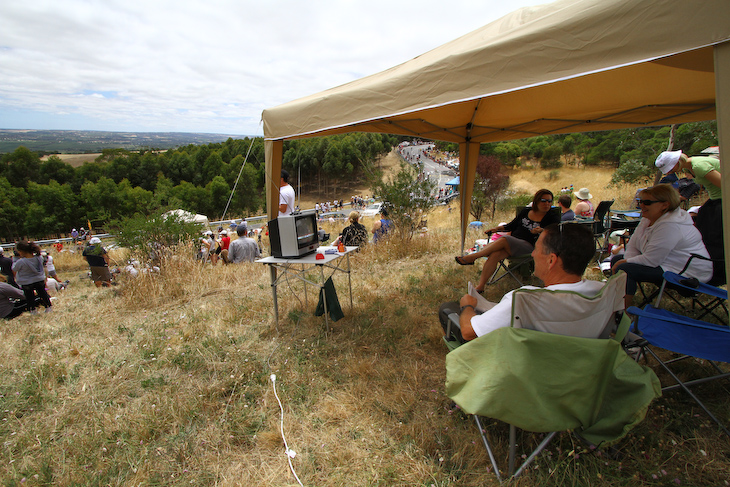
[[289, 453]]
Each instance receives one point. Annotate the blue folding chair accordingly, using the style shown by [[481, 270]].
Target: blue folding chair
[[687, 337], [707, 296]]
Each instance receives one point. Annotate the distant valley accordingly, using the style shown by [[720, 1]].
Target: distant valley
[[89, 141]]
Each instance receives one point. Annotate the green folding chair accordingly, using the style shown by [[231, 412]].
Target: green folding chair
[[537, 377]]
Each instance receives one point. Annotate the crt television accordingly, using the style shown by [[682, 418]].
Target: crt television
[[293, 236]]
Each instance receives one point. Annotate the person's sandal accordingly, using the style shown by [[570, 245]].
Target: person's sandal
[[459, 260]]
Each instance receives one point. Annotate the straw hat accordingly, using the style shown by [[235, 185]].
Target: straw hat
[[583, 194]]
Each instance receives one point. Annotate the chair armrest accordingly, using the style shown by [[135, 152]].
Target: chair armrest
[[453, 325], [697, 256]]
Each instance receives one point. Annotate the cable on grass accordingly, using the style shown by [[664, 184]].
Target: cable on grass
[[289, 453]]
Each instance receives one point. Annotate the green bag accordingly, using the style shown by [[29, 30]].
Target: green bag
[[329, 293]]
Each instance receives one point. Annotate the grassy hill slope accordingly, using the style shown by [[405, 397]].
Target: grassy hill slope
[[165, 380]]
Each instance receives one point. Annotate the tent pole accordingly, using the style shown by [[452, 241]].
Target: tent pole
[[468, 156], [722, 109], [274, 150]]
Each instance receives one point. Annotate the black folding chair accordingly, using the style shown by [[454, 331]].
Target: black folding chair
[[601, 227]]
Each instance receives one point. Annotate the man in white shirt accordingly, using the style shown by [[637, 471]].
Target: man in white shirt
[[561, 256], [287, 196]]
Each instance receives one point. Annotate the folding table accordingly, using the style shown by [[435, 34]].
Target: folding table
[[299, 268]]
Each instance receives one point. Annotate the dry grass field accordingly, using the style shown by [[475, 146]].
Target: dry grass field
[[75, 160], [165, 380]]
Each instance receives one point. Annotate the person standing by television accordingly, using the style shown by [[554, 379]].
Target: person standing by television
[[287, 196]]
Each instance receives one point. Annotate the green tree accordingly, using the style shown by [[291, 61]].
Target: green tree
[[407, 197], [134, 200], [164, 193], [212, 167], [181, 168], [88, 172], [54, 208], [23, 166], [537, 145], [13, 207], [150, 165], [693, 138], [509, 153], [122, 167], [100, 200], [108, 155], [218, 192], [249, 195], [192, 198], [55, 169]]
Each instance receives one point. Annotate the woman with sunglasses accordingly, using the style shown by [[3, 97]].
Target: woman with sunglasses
[[525, 229], [663, 241]]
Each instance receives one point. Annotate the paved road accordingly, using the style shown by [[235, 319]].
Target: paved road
[[438, 173]]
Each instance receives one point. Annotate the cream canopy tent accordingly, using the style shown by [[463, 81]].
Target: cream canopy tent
[[189, 217], [567, 66]]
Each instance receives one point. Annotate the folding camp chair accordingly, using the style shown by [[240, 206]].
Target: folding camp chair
[[710, 299], [601, 226], [687, 337], [538, 376], [518, 267]]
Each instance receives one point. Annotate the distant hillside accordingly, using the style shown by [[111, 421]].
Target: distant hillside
[[89, 141]]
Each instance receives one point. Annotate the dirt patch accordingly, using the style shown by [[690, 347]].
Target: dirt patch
[[523, 186]]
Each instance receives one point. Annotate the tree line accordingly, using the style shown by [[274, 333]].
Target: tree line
[[41, 198], [632, 151]]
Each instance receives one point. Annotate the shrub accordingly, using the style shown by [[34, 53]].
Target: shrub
[[510, 202], [148, 237], [632, 171], [551, 156]]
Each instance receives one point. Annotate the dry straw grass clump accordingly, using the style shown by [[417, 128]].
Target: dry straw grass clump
[[164, 380]]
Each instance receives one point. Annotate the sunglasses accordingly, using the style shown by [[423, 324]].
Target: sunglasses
[[543, 200], [647, 202]]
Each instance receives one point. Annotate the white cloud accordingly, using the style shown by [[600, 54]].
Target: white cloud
[[166, 65]]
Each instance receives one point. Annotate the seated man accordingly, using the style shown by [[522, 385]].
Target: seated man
[[243, 249], [561, 256]]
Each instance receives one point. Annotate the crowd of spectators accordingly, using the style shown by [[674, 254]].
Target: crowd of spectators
[[664, 239]]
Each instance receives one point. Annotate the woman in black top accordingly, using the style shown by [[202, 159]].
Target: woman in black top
[[525, 229], [354, 234]]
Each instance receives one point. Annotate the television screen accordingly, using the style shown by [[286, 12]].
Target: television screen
[[294, 235], [306, 230]]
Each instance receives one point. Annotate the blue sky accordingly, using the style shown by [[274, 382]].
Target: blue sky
[[171, 66]]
